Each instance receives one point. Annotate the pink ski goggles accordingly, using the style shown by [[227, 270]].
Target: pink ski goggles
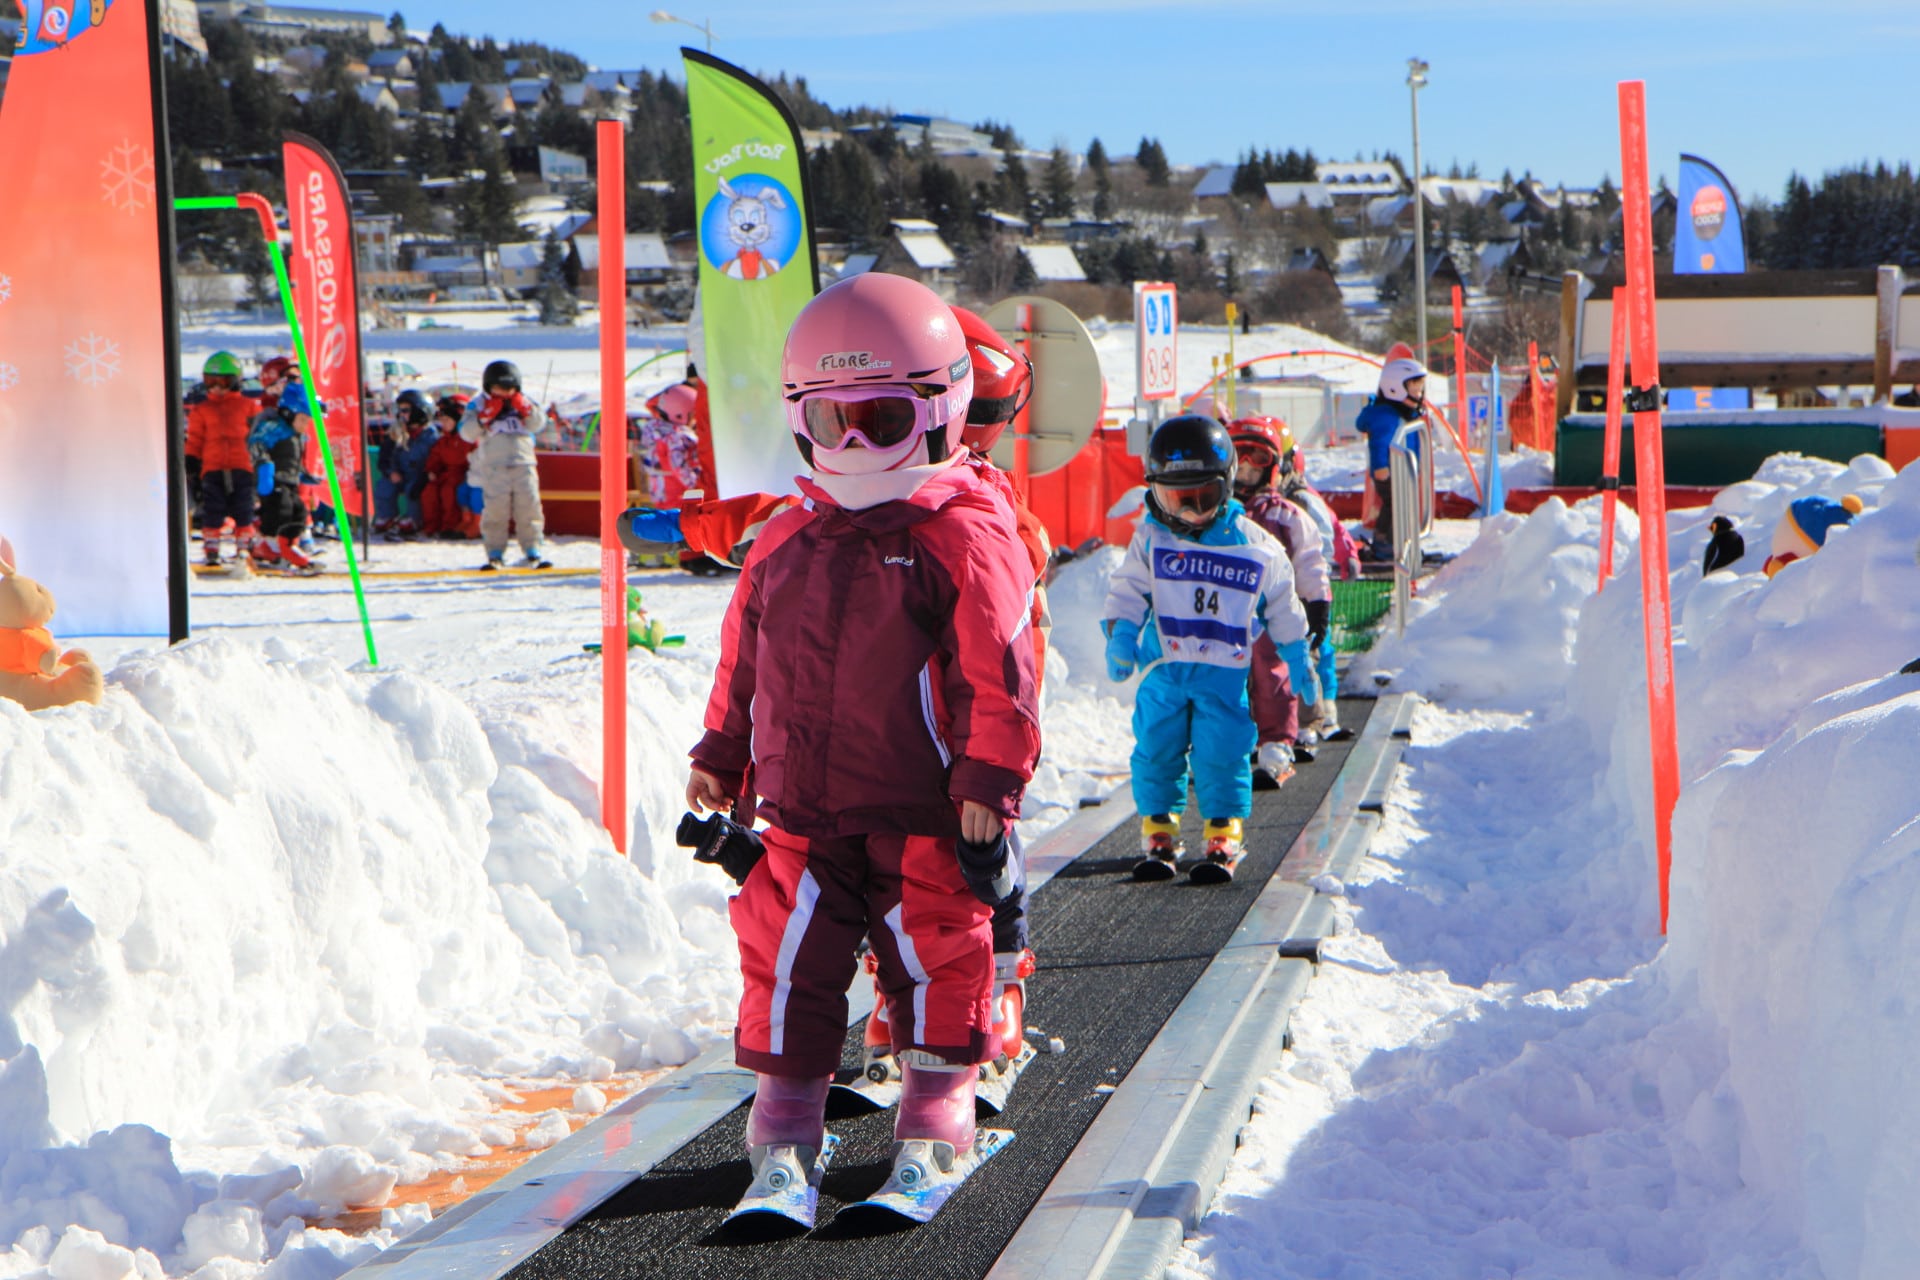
[[883, 417]]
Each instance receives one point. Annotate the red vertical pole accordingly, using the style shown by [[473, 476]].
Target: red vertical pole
[[612, 215], [1460, 416], [1610, 448], [1650, 474], [1540, 438]]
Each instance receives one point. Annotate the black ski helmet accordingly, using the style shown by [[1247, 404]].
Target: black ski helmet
[[1190, 450], [451, 407], [413, 408], [501, 373]]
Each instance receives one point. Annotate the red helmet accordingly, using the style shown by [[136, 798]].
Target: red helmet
[[1262, 434], [1002, 381], [880, 330], [276, 368], [676, 404]]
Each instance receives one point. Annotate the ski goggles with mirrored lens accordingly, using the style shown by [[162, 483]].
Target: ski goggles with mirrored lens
[[883, 417], [1201, 499], [221, 382]]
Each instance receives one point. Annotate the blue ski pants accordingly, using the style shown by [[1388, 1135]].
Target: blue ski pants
[[1189, 714]]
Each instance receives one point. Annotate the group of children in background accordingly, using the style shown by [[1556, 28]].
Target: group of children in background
[[887, 745], [245, 462]]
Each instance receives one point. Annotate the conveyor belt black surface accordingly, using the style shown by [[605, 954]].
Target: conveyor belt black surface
[[1116, 957]]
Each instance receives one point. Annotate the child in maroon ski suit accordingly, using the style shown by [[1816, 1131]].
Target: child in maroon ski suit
[[877, 692]]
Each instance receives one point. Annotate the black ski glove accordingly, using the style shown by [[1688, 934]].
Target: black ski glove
[[720, 840], [1319, 614], [988, 868]]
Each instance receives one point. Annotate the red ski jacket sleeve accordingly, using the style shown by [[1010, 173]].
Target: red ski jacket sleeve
[[873, 666]]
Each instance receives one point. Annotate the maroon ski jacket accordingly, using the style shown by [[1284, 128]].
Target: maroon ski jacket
[[873, 668]]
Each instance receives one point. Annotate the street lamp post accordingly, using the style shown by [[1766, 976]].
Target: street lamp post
[[661, 15], [1416, 80]]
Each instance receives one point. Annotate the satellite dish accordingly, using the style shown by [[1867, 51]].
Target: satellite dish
[[1069, 392]]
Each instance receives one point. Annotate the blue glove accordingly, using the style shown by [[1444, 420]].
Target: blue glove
[[650, 524], [263, 486], [1300, 671], [1123, 639]]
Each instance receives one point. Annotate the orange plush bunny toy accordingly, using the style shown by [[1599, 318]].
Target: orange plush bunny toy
[[33, 671]]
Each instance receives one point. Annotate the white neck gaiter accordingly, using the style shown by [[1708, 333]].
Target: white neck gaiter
[[860, 483]]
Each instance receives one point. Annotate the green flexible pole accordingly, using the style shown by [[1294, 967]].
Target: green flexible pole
[[342, 522]]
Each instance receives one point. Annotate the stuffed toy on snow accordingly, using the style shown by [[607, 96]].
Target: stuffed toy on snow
[[1803, 529], [33, 671]]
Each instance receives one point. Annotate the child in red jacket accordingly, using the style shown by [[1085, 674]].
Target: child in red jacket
[[446, 472], [875, 679], [219, 464]]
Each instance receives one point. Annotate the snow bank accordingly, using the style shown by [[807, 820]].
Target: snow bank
[[1497, 1074], [294, 915]]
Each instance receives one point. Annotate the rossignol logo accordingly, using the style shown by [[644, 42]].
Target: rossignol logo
[[844, 361]]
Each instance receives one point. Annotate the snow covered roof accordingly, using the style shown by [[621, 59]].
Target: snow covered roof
[[1053, 262], [1383, 210], [525, 256], [646, 251], [1217, 181], [857, 264], [529, 92], [1288, 195], [928, 251], [1359, 177], [1007, 220], [1473, 191]]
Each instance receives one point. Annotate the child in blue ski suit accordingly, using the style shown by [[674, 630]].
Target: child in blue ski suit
[[1200, 582], [1402, 399]]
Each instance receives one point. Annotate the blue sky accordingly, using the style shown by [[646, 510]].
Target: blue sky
[[1757, 86]]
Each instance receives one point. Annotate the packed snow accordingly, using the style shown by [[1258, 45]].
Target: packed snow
[[1501, 1071], [280, 927]]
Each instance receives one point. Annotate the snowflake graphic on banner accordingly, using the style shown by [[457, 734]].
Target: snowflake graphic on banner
[[9, 376], [93, 360], [126, 178], [6, 287]]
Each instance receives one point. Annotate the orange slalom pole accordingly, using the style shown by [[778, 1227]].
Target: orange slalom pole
[[612, 176], [1650, 469], [1459, 355], [1610, 446]]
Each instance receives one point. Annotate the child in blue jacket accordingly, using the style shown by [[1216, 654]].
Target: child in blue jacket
[[1200, 582]]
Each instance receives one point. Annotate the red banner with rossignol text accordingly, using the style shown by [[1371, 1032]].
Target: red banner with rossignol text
[[326, 297], [83, 329]]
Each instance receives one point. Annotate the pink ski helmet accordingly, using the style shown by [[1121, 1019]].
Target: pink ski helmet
[[676, 404], [880, 330]]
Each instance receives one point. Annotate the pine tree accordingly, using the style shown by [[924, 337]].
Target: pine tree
[[558, 306], [474, 142], [1058, 184], [426, 147], [1097, 164], [488, 210], [1014, 193], [945, 203], [1152, 159]]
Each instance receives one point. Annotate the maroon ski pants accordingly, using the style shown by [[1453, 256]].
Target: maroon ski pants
[[799, 920], [1276, 712]]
